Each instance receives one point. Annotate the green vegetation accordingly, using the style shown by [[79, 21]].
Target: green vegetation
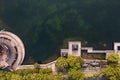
[[113, 58], [36, 65], [74, 62], [67, 68], [76, 74], [71, 67], [45, 25], [71, 62], [30, 74], [112, 72], [61, 63], [91, 74]]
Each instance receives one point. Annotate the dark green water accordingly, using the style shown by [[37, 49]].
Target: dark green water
[[45, 26]]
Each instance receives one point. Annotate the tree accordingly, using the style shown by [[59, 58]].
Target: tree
[[112, 73], [16, 77], [75, 74], [113, 58], [61, 63], [74, 62], [45, 71], [36, 65], [29, 76]]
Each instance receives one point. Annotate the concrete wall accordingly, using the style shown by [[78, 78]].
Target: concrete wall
[[74, 52], [89, 49], [15, 41], [70, 51], [116, 45], [48, 65]]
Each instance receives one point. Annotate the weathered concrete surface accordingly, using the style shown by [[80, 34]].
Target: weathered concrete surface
[[89, 49], [48, 65], [74, 52], [16, 42]]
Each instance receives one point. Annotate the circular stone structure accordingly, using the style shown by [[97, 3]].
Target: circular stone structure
[[12, 51]]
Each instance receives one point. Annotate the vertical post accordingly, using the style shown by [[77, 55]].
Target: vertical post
[[74, 48], [116, 47]]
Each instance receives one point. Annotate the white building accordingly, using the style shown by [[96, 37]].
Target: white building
[[75, 48]]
